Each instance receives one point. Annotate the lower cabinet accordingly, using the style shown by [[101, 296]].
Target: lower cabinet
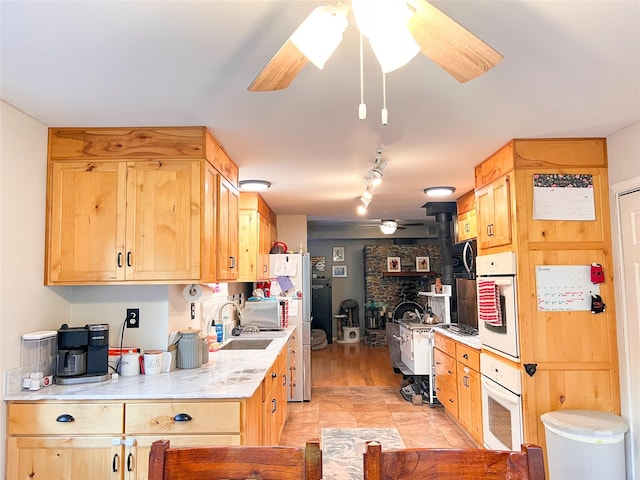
[[274, 412], [82, 440], [458, 383]]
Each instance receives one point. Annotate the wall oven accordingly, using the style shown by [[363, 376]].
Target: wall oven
[[497, 304], [501, 404]]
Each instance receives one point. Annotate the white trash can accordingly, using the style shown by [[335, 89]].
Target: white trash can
[[584, 444]]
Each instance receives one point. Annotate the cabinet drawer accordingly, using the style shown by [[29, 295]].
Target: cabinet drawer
[[469, 356], [445, 344], [448, 396], [156, 418], [445, 367], [65, 418]]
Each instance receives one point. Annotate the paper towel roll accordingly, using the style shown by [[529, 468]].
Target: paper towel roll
[[192, 293]]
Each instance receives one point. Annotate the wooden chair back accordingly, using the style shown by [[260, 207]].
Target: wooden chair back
[[235, 462], [458, 464]]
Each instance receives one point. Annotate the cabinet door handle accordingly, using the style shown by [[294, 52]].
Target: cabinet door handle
[[130, 462], [233, 262], [128, 259], [265, 269], [275, 405], [119, 259], [284, 379], [182, 417], [115, 463], [65, 418]]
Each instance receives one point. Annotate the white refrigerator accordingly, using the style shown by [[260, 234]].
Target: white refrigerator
[[291, 278]]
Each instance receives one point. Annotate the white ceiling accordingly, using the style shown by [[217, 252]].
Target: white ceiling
[[570, 68]]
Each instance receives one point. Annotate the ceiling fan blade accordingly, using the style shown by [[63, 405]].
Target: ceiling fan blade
[[281, 69], [458, 51]]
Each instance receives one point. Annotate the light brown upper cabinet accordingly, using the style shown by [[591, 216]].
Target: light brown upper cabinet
[[257, 235], [467, 226], [136, 205]]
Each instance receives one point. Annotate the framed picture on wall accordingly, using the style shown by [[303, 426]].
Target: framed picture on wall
[[422, 264], [338, 254], [339, 271], [393, 264]]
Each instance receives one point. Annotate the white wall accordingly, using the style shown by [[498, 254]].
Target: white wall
[[25, 304], [292, 230], [624, 175]]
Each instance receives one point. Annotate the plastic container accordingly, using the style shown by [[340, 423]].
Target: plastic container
[[40, 350], [189, 349], [585, 444]]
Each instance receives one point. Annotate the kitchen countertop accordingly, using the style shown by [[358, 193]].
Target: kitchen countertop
[[472, 341], [228, 374]]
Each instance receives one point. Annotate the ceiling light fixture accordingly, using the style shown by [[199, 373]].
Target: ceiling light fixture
[[254, 185], [384, 23], [439, 191], [321, 32], [388, 227]]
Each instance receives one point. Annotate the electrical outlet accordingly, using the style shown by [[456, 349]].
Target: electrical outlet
[[133, 317]]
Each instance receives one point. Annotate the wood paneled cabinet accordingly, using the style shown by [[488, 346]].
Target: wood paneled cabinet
[[275, 400], [132, 205], [494, 213], [458, 383], [570, 354], [466, 224], [257, 235]]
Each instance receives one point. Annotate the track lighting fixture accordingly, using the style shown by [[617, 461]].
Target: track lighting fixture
[[373, 179]]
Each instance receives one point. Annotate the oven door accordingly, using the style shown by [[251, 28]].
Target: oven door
[[502, 339], [501, 417]]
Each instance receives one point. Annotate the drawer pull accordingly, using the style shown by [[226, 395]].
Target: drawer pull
[[465, 356], [274, 375], [182, 417], [65, 418], [115, 463], [274, 402]]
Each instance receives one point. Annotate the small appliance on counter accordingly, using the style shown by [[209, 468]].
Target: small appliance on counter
[[83, 354]]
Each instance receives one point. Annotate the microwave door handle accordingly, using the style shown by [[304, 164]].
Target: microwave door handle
[[496, 393], [467, 246]]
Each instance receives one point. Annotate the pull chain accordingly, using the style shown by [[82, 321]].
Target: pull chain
[[384, 113], [362, 109]]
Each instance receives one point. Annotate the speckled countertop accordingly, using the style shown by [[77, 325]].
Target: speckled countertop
[[228, 374]]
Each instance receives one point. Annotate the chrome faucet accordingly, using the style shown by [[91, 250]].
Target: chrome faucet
[[235, 304]]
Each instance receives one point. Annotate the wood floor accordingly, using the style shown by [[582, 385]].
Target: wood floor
[[355, 386]]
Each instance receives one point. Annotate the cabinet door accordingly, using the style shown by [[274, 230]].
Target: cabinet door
[[265, 243], [163, 220], [469, 401], [86, 222], [68, 458], [467, 226], [494, 214], [248, 245], [210, 220], [228, 215]]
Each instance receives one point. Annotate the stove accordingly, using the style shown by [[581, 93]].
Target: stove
[[460, 329]]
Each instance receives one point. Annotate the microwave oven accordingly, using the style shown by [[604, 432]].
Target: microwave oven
[[464, 259]]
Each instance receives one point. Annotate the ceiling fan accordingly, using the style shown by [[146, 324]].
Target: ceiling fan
[[420, 25], [389, 227]]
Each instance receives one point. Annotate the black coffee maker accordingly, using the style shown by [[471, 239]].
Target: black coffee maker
[[83, 354]]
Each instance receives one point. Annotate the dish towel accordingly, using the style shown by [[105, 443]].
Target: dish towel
[[489, 310]]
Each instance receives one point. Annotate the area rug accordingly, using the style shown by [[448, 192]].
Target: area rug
[[342, 449]]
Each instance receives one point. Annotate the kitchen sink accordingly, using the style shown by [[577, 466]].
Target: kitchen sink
[[247, 344]]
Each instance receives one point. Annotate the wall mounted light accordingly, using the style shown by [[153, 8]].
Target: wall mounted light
[[441, 191], [254, 185]]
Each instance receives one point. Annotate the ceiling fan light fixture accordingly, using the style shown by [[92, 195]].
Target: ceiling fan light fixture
[[388, 227], [441, 191], [254, 185], [394, 48], [320, 33]]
